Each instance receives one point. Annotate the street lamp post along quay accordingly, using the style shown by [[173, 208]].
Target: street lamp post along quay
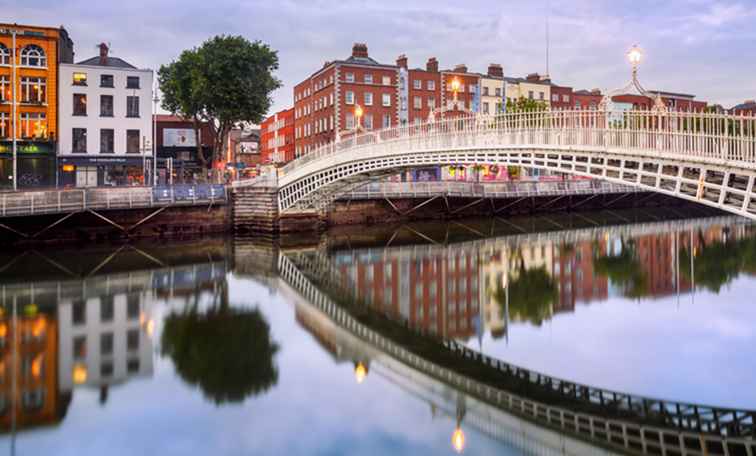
[[634, 56], [14, 109]]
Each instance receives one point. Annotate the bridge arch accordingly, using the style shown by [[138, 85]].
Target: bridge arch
[[702, 157]]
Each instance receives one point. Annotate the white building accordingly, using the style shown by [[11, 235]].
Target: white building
[[105, 128]]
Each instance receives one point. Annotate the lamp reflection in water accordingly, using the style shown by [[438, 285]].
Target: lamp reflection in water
[[79, 373], [360, 372], [458, 440]]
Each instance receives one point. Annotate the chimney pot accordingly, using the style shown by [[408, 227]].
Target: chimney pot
[[495, 70], [360, 50], [103, 53], [432, 65], [401, 61], [461, 68]]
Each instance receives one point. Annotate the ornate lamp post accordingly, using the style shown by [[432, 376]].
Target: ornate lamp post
[[634, 56]]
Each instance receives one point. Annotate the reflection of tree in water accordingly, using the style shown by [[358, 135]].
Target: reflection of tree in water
[[227, 352], [623, 270], [717, 263], [531, 294]]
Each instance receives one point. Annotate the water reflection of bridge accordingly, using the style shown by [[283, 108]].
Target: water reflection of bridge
[[88, 323], [616, 420]]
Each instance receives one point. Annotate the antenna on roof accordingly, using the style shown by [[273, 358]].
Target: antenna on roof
[[548, 14]]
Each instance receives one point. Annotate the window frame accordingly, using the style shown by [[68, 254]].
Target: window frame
[[112, 105], [129, 100], [112, 81], [40, 57], [80, 97], [129, 80], [81, 137], [112, 141], [138, 141]]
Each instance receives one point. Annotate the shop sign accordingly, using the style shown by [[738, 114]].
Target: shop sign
[[26, 148]]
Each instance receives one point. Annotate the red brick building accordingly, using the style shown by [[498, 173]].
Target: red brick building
[[469, 86], [325, 102], [586, 99], [423, 89], [561, 97], [277, 137], [747, 108]]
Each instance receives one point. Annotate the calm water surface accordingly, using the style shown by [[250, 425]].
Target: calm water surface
[[202, 348]]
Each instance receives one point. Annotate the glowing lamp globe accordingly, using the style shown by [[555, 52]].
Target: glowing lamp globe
[[455, 85], [360, 372], [458, 440], [358, 111], [634, 55]]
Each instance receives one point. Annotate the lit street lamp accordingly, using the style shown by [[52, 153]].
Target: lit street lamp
[[358, 116], [455, 84]]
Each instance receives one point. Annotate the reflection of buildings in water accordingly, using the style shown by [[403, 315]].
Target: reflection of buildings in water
[[576, 277], [29, 394], [104, 340], [439, 293]]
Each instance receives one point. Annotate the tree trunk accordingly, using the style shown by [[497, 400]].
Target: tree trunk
[[200, 154]]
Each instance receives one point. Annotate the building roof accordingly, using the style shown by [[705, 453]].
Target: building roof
[[586, 92], [169, 118], [749, 105], [671, 94], [111, 62]]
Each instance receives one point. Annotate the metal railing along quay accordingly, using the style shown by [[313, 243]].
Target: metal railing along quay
[[26, 203]]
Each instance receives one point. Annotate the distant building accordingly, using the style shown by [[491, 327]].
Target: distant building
[[39, 51], [277, 137], [532, 87], [419, 91], [105, 122], [176, 142], [747, 108], [586, 99]]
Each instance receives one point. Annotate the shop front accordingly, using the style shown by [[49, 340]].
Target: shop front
[[101, 171], [183, 164], [36, 164]]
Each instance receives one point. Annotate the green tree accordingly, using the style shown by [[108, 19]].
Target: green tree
[[226, 82], [531, 293], [227, 352], [523, 104]]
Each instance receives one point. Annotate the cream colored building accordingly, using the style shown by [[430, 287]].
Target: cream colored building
[[533, 87], [492, 90]]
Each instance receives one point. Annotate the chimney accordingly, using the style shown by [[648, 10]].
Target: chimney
[[595, 91], [461, 68], [359, 50], [432, 65], [750, 102], [495, 70], [103, 53], [401, 61], [533, 77]]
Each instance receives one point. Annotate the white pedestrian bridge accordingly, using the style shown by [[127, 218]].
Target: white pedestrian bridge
[[704, 157]]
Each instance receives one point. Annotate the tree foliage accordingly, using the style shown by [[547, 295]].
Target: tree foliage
[[523, 104], [225, 82], [227, 352], [624, 270]]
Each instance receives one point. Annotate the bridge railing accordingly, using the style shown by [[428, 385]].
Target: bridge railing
[[483, 189], [74, 200], [693, 134]]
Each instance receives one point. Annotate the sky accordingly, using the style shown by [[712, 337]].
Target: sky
[[702, 47]]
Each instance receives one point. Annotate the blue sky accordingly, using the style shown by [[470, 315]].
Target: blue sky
[[702, 47]]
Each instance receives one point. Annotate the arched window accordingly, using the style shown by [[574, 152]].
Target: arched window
[[4, 55], [33, 55]]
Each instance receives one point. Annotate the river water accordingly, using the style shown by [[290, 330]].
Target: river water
[[207, 347]]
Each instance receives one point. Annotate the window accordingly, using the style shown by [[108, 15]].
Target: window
[[132, 106], [4, 55], [485, 107], [132, 141], [106, 343], [106, 105], [368, 121], [34, 56], [430, 85], [5, 88], [5, 127], [132, 366], [386, 121], [432, 102], [566, 98], [472, 88], [485, 90], [80, 347], [106, 80], [132, 82], [79, 145], [498, 91], [387, 80], [540, 95], [33, 90], [33, 125], [368, 78], [79, 79], [554, 97], [349, 77], [132, 339], [417, 102], [79, 104], [106, 141], [349, 97], [132, 306], [386, 99], [349, 121], [417, 84], [530, 94], [368, 98], [106, 369]]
